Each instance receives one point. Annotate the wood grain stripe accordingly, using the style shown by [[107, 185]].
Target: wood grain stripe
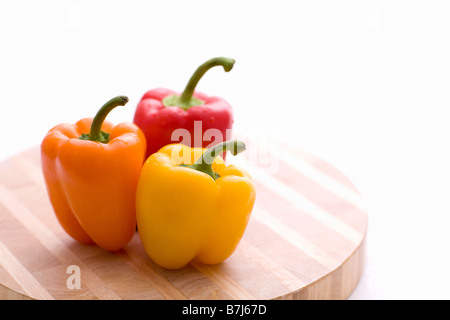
[[141, 265], [294, 238], [22, 276], [319, 171], [331, 184], [224, 281], [286, 278], [31, 170], [292, 196], [54, 244]]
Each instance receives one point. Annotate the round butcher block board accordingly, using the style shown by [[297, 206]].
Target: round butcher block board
[[304, 240]]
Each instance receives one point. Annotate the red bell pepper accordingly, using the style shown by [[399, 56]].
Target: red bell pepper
[[162, 111]]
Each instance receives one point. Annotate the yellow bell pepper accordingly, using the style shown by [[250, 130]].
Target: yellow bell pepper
[[188, 210]]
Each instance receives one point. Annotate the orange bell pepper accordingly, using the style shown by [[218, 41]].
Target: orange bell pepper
[[91, 169]]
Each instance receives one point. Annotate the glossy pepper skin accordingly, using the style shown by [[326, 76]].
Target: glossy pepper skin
[[91, 169], [161, 111], [183, 213]]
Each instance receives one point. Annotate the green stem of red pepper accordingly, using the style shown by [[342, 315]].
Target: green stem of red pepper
[[96, 134], [186, 100], [206, 160]]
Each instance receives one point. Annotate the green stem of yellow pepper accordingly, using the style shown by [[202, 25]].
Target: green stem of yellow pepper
[[204, 163]]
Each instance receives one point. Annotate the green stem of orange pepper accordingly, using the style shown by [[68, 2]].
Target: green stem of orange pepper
[[96, 134]]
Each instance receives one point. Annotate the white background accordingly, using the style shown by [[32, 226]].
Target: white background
[[364, 85]]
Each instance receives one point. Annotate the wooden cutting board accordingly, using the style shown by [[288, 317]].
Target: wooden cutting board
[[305, 240]]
